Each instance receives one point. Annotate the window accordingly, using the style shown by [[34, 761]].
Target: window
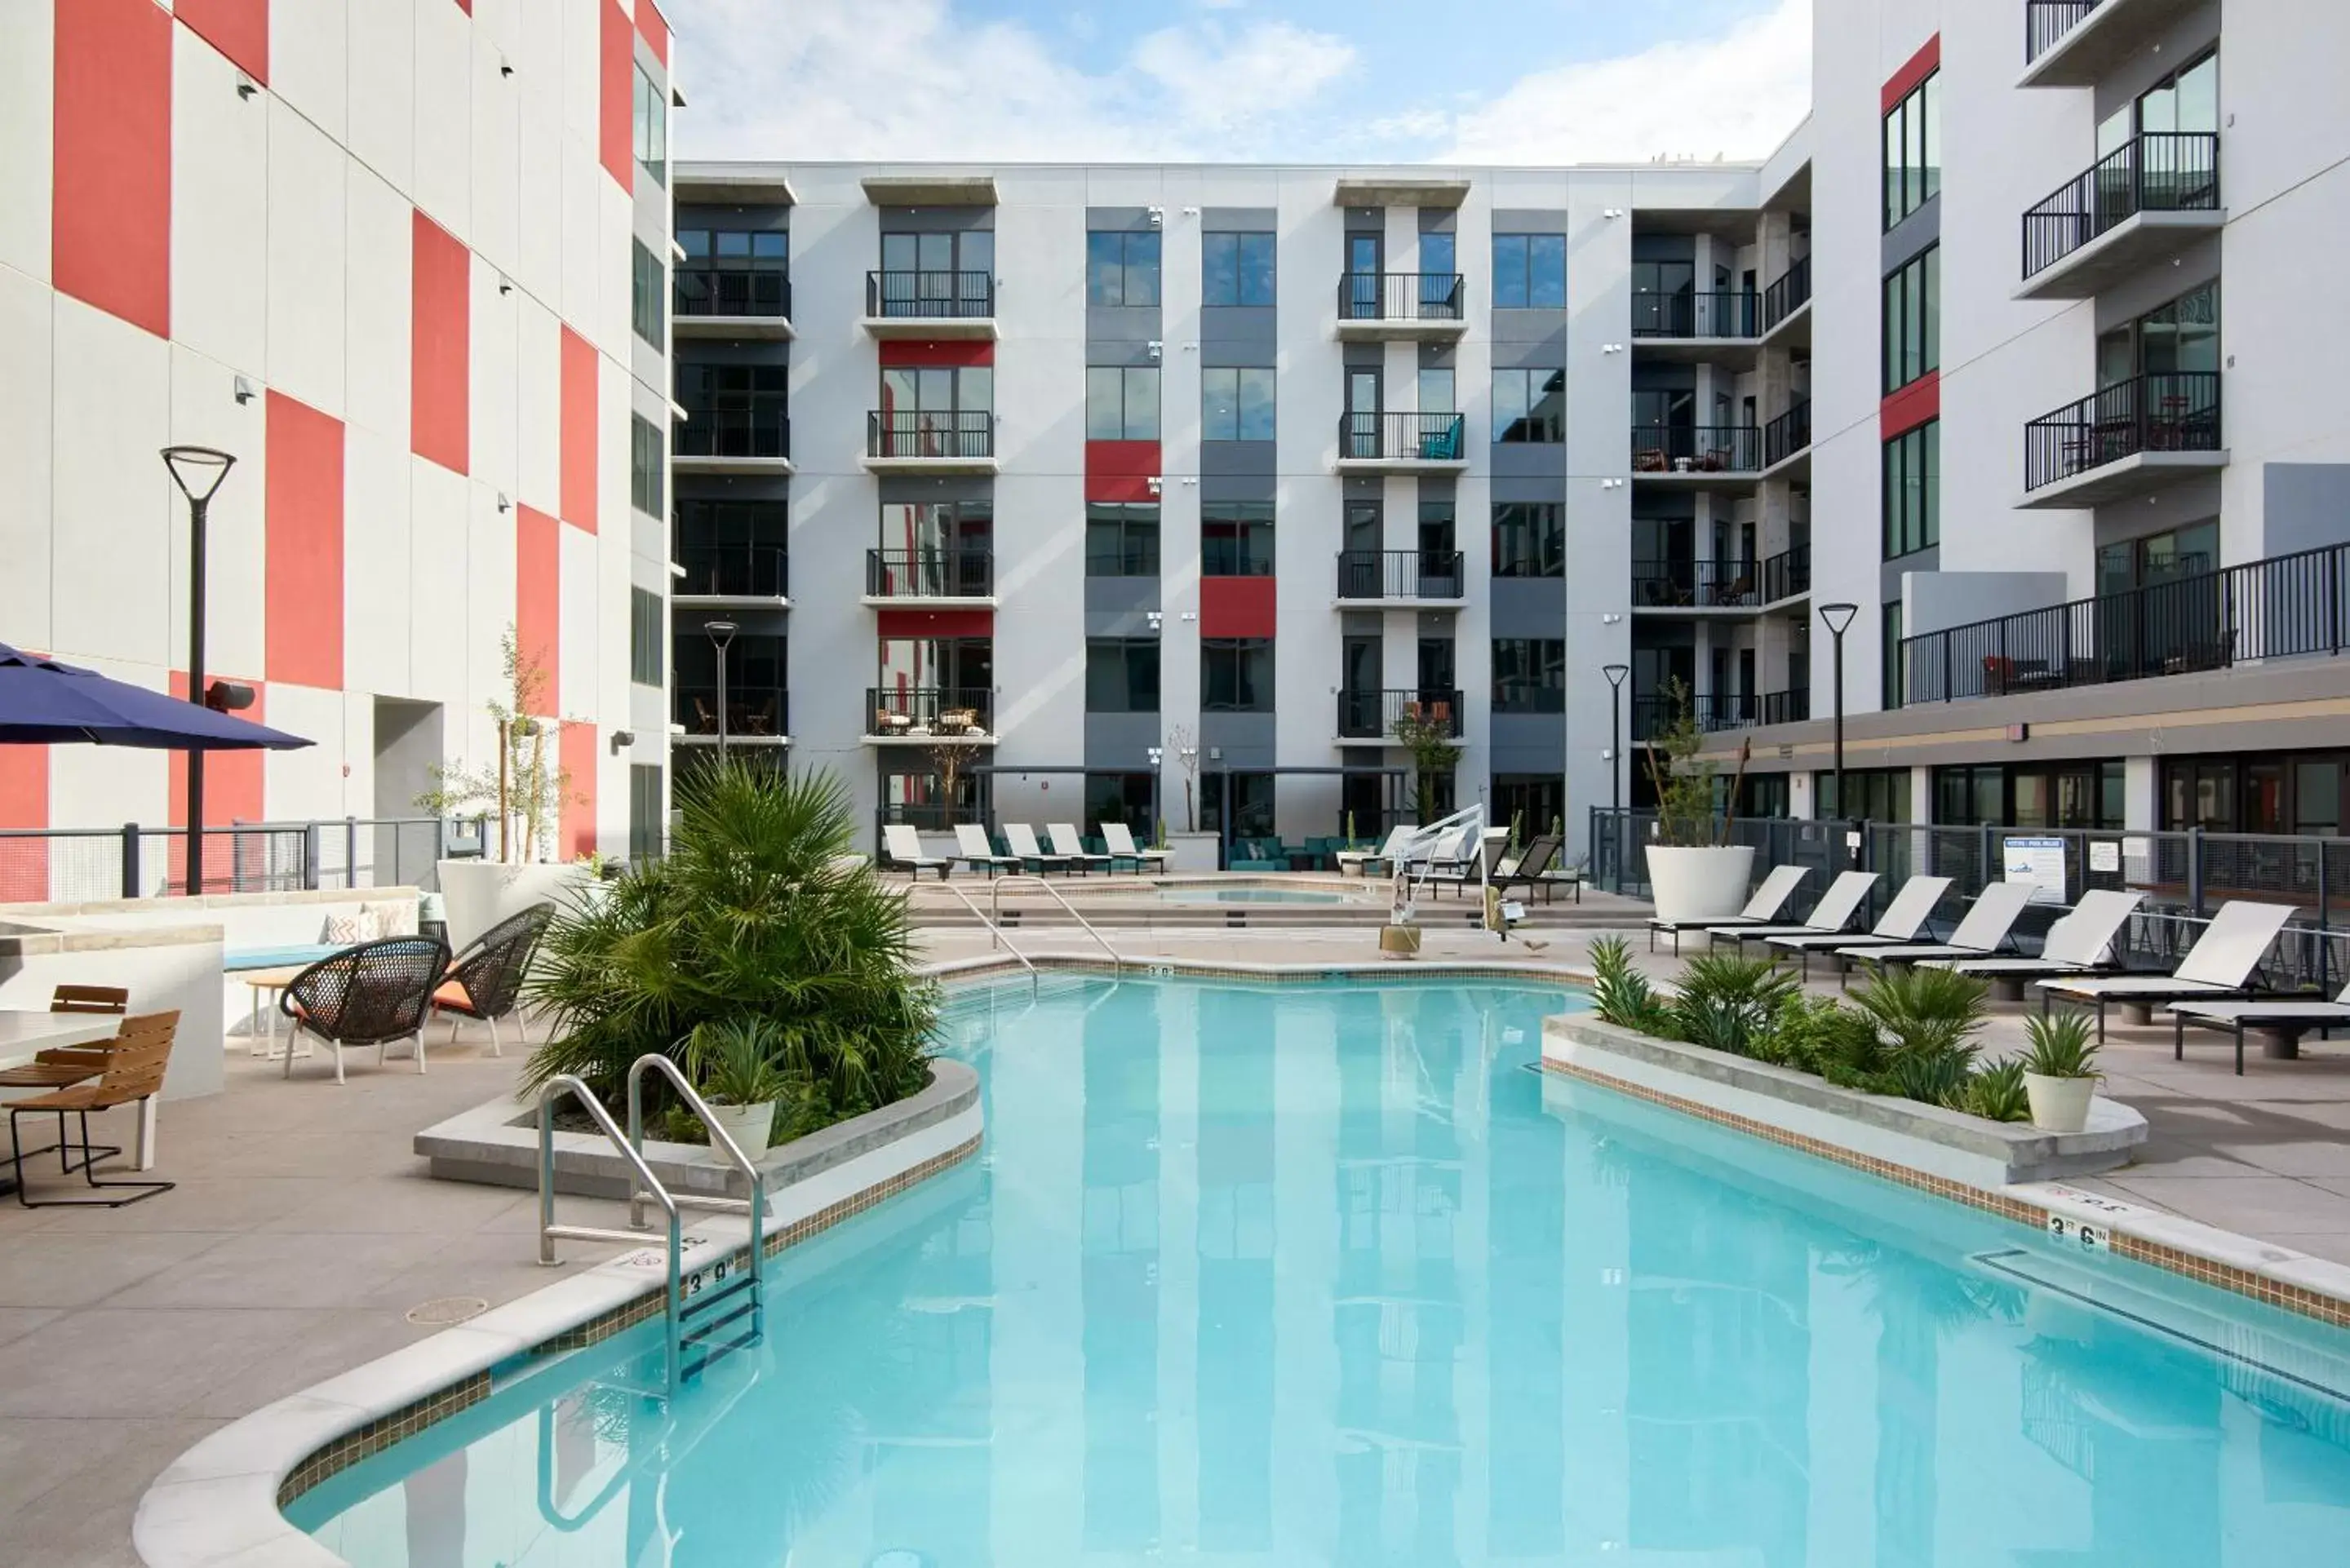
[[1529, 539], [1913, 150], [1913, 319], [733, 271], [1122, 268], [1236, 269], [1913, 491], [1236, 538], [935, 273], [1251, 798], [1122, 675], [731, 547], [1529, 405], [644, 465], [651, 127], [1122, 539], [645, 291], [1235, 675], [1121, 402], [1530, 272], [1235, 403], [1895, 690], [1530, 803], [645, 823], [920, 797], [1529, 675], [648, 629], [1123, 798]]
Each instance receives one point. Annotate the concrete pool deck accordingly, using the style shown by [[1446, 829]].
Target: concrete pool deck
[[304, 1228]]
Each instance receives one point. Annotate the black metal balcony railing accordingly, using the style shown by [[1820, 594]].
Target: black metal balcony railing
[[2047, 21], [931, 710], [733, 571], [960, 574], [1399, 297], [730, 291], [1696, 449], [1366, 715], [1695, 584], [1400, 574], [2176, 412], [734, 433], [1788, 434], [752, 712], [949, 433], [1653, 715], [956, 295], [2157, 171], [1787, 574], [1711, 313], [1787, 293], [1518, 697], [1421, 438], [2279, 607]]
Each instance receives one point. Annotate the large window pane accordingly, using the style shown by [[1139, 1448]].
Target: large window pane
[[1142, 269], [1256, 269], [1893, 207], [1219, 269], [1930, 102], [1509, 403], [1932, 262], [1509, 272], [1220, 404], [1105, 403], [1105, 269], [1546, 272], [1257, 405]]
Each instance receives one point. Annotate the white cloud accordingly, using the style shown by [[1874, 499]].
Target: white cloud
[[1222, 84]]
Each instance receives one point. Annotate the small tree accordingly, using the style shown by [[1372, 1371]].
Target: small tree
[[1186, 757], [527, 788], [1429, 739], [949, 759], [1685, 784]]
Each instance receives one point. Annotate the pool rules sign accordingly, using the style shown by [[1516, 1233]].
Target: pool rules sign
[[2040, 861]]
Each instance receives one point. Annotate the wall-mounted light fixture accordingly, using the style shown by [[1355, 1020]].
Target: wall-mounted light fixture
[[244, 391], [1157, 349], [505, 505], [505, 286], [1157, 217], [505, 66], [622, 739], [245, 86], [1155, 484]]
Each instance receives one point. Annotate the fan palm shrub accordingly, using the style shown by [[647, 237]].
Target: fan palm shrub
[[763, 912]]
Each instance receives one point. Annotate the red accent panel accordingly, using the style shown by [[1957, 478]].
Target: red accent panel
[[111, 216], [538, 600], [909, 623], [303, 638], [577, 833], [1236, 606], [232, 792], [578, 500], [237, 28], [618, 76], [466, 6], [940, 352], [1910, 406], [25, 803], [1921, 65], [440, 422], [654, 27], [1121, 469]]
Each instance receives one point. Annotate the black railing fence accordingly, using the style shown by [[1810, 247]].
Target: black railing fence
[[1399, 297], [1787, 574], [733, 432], [1421, 438], [1368, 714], [731, 291], [960, 574], [1717, 710], [733, 571], [1400, 574], [78, 865], [1696, 449], [1720, 313], [904, 711], [2175, 411], [1701, 584], [958, 433], [1788, 434], [2047, 21], [753, 713], [965, 295], [2156, 171], [1787, 293]]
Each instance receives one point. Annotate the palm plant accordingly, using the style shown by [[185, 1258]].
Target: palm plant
[[1923, 1010]]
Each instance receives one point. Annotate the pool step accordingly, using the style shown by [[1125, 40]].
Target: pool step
[[703, 1324]]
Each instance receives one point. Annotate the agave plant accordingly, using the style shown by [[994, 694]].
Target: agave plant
[[1620, 993], [2063, 1045], [1996, 1094], [1726, 1002]]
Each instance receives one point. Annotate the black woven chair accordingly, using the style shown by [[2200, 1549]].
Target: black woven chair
[[371, 994], [485, 981]]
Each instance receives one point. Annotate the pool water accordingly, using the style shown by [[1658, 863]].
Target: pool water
[[1250, 896], [1324, 1275]]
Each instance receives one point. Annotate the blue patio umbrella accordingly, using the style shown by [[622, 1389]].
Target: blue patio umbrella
[[42, 700]]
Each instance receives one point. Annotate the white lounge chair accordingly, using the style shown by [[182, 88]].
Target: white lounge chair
[[1021, 839], [1762, 909], [1362, 860], [1071, 849], [1831, 914], [2081, 942], [1903, 919], [902, 848], [2286, 1020], [1118, 839], [1982, 933], [2220, 964], [978, 853]]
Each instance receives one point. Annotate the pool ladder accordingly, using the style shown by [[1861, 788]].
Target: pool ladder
[[704, 1321]]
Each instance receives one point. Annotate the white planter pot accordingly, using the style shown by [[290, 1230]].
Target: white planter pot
[[478, 894], [1700, 884], [2059, 1105], [748, 1126], [1192, 852]]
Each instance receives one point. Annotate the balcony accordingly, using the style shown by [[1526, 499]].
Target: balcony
[[1401, 305], [1714, 712], [2140, 206], [713, 576], [2124, 441], [930, 304], [1787, 574], [2282, 607], [933, 579], [928, 715], [1697, 456], [2078, 43], [949, 442], [1787, 318], [1666, 586], [1715, 325], [1365, 714], [1402, 443], [1788, 440], [755, 715], [1399, 580], [733, 441], [730, 302]]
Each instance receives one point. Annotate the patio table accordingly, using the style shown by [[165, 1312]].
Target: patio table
[[24, 1034], [265, 985]]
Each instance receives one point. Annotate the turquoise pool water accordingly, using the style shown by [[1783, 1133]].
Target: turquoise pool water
[[1324, 1275], [1250, 896]]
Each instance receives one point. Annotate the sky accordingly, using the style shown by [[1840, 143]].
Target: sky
[[1470, 81]]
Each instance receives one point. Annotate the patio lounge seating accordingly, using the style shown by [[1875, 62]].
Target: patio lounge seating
[[978, 853], [371, 994], [62, 1066], [2079, 944], [1021, 841], [135, 1061], [1118, 839], [1985, 930], [485, 981], [1534, 867], [1068, 847], [1832, 913], [1903, 919], [1362, 860], [1473, 869], [1761, 909], [2220, 964], [901, 850], [2286, 1020]]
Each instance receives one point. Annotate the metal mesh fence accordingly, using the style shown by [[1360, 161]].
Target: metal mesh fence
[[60, 865]]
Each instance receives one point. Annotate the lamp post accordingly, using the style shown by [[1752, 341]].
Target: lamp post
[[198, 471], [1616, 673], [1838, 616], [720, 633]]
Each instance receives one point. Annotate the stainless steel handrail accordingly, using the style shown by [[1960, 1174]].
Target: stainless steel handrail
[[548, 1231], [995, 932], [995, 902], [720, 1139]]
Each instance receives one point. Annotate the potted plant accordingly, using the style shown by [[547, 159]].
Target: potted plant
[[732, 1065], [1695, 873], [2059, 1072]]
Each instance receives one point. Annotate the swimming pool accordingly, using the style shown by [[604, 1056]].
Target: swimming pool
[[1253, 895], [1321, 1274]]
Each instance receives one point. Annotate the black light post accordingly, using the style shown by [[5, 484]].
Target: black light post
[[720, 633], [198, 471], [1839, 617], [1616, 673]]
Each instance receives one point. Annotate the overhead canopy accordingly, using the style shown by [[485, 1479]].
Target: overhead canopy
[[43, 702]]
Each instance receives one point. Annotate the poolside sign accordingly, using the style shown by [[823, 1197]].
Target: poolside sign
[[2036, 860]]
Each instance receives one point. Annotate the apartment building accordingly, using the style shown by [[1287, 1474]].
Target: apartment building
[[403, 259]]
